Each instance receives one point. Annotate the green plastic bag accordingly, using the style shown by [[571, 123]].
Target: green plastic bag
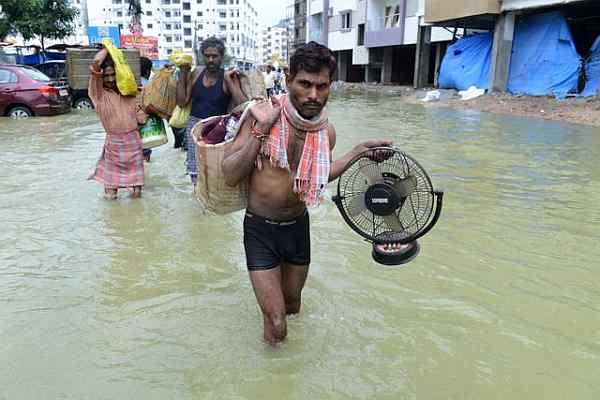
[[153, 132], [180, 116], [124, 75]]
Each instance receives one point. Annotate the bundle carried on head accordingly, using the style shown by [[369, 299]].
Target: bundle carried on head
[[124, 75]]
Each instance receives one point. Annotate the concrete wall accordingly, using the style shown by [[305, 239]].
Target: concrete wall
[[342, 40], [509, 5], [360, 55], [445, 10], [315, 7]]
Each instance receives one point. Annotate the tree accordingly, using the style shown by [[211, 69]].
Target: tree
[[44, 19]]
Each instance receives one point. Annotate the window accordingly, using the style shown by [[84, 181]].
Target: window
[[346, 20], [7, 76], [222, 27], [199, 13], [147, 1], [187, 18], [168, 14], [149, 13], [222, 14], [187, 31], [149, 26], [119, 13], [168, 27], [188, 44], [169, 39], [198, 1], [361, 35], [186, 6], [222, 2]]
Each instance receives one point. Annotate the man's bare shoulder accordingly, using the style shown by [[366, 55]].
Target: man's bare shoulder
[[332, 135]]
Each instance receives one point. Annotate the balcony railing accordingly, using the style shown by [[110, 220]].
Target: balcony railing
[[388, 22], [386, 31]]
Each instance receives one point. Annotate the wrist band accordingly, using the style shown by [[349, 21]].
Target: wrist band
[[257, 133]]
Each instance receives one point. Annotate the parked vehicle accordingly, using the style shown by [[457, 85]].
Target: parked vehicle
[[57, 71], [26, 92]]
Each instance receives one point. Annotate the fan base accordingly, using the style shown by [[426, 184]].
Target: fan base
[[405, 255]]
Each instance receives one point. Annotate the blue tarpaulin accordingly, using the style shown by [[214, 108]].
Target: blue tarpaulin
[[544, 59], [467, 63], [592, 71]]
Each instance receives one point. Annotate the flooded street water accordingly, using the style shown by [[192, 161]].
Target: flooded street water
[[148, 299]]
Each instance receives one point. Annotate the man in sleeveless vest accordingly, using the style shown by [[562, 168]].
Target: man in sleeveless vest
[[210, 90], [285, 150]]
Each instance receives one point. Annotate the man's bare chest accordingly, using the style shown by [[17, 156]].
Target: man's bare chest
[[295, 149]]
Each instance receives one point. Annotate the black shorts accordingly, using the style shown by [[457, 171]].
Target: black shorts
[[268, 243]]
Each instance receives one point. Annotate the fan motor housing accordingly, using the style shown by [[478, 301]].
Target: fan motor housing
[[381, 199]]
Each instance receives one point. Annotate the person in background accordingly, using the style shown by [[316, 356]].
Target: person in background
[[210, 90], [277, 87], [284, 76], [269, 80], [145, 72], [121, 164]]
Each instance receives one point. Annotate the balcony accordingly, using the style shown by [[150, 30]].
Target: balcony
[[385, 31], [443, 10]]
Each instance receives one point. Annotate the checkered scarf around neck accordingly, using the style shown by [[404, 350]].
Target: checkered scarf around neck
[[312, 175]]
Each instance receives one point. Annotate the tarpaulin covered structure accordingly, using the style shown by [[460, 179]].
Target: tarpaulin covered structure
[[467, 63], [592, 71], [544, 58]]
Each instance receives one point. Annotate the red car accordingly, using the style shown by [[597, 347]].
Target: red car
[[25, 92]]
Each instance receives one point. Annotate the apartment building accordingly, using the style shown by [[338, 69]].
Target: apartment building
[[375, 40], [183, 24], [275, 44], [300, 8]]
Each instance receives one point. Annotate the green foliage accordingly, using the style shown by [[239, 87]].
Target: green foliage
[[46, 19]]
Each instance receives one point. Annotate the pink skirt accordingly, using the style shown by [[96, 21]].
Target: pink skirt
[[121, 164]]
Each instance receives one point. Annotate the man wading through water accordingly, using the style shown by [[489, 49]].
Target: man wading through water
[[121, 164], [285, 150], [210, 90]]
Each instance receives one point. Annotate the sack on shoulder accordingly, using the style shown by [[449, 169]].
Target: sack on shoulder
[[160, 94]]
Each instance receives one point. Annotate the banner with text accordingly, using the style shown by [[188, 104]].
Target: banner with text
[[148, 45]]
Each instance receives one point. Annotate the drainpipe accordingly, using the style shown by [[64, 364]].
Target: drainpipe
[[325, 28]]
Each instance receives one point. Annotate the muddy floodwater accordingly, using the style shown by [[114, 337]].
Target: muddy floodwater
[[148, 299]]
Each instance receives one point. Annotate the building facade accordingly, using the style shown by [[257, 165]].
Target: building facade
[[374, 40], [300, 8], [275, 44], [183, 24]]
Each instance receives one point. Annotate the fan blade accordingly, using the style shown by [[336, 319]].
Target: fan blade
[[357, 205], [371, 171], [404, 187], [393, 223]]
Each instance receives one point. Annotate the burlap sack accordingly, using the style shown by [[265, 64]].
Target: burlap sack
[[216, 196], [253, 84], [160, 94]]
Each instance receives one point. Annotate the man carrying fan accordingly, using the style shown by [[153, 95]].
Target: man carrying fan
[[285, 151]]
